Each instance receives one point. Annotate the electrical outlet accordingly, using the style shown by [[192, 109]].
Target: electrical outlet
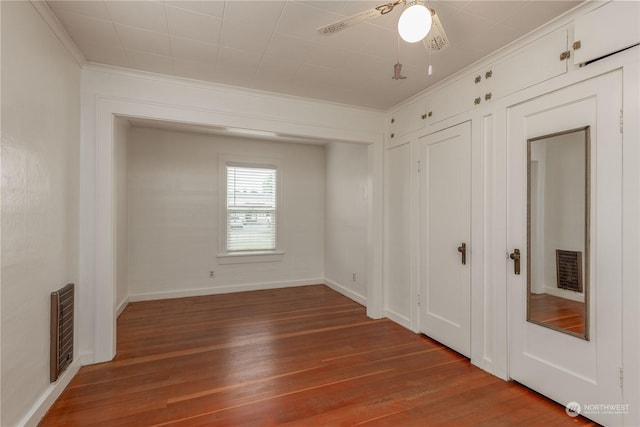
[[353, 277], [212, 274]]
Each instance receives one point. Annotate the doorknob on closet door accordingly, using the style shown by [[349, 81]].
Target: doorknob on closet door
[[463, 251], [515, 256]]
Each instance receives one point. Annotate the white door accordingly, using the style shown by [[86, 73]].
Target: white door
[[445, 218], [568, 367]]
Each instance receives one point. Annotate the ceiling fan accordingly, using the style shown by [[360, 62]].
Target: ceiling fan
[[417, 22]]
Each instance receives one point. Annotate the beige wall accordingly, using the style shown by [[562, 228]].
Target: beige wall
[[40, 167], [173, 202], [345, 251]]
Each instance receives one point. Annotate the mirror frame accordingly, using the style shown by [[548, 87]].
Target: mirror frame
[[587, 230]]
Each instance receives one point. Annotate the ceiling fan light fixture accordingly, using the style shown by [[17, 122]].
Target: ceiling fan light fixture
[[415, 22]]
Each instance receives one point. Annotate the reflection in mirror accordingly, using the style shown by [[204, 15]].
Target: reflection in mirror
[[558, 230]]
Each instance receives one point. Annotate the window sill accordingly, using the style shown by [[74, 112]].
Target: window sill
[[248, 257]]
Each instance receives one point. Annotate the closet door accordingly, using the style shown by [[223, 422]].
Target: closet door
[[565, 243], [445, 218]]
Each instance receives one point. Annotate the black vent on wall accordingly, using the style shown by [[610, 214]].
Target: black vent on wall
[[61, 331]]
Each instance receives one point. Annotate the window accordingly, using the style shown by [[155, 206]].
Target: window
[[251, 208]]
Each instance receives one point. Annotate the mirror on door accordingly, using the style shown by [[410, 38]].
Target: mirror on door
[[558, 230]]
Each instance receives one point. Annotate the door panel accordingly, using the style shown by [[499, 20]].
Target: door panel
[[445, 217], [565, 367]]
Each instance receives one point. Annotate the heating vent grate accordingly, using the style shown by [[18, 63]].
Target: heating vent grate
[[61, 330], [569, 270]]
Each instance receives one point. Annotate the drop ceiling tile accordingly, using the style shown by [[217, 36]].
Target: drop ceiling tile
[[464, 26], [238, 57], [493, 10], [370, 67], [244, 36], [236, 67], [150, 62], [534, 13], [88, 29], [193, 69], [331, 79], [290, 47], [104, 54], [145, 14], [193, 50], [143, 40], [330, 6], [211, 8], [384, 40], [264, 13], [328, 56], [191, 25], [94, 9], [274, 74]]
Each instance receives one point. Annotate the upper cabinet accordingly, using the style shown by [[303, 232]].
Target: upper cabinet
[[404, 121], [605, 30], [536, 62]]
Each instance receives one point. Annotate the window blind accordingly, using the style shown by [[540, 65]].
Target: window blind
[[251, 208]]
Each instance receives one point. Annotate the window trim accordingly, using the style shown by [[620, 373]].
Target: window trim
[[225, 257]]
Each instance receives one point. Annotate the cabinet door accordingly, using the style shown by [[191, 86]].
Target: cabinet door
[[404, 121], [445, 227], [532, 64], [606, 30], [453, 99]]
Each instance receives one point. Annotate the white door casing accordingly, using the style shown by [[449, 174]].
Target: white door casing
[[445, 227], [564, 367]]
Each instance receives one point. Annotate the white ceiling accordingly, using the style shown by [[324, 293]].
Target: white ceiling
[[273, 45]]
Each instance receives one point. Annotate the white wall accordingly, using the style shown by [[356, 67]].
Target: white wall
[[173, 198], [398, 232], [345, 250], [40, 168], [564, 204], [122, 243]]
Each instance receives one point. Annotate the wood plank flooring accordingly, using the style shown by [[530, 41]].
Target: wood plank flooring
[[303, 356], [558, 312]]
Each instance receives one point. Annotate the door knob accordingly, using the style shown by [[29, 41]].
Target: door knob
[[515, 256], [463, 251]]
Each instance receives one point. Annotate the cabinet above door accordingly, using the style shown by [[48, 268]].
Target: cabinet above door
[[404, 121], [605, 30]]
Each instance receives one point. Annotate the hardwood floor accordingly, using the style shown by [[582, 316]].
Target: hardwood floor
[[303, 356], [558, 312]]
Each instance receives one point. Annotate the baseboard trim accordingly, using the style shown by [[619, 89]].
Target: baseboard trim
[[360, 299], [223, 289], [46, 399], [120, 308], [399, 319]]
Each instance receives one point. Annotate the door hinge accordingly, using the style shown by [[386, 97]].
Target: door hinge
[[621, 121], [621, 379], [419, 166], [419, 303]]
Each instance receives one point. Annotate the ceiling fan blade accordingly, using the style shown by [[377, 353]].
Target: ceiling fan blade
[[382, 9], [349, 22], [436, 39]]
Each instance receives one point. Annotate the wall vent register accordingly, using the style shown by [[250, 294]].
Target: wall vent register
[[61, 350]]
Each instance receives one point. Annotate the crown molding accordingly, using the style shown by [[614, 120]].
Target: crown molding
[[52, 20]]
